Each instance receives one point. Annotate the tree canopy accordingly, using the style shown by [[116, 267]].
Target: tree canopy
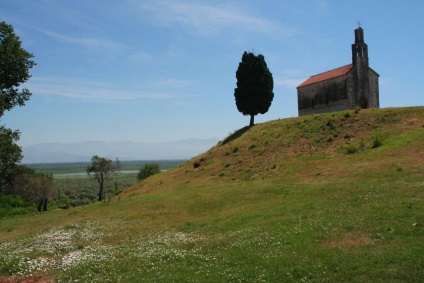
[[15, 63], [34, 187], [254, 92], [101, 168]]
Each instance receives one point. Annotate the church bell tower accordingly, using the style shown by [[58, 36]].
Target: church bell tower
[[360, 63], [359, 49]]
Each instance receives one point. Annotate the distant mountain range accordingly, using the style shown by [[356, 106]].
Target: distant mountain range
[[83, 151]]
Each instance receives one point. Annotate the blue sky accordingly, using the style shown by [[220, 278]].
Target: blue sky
[[162, 70]]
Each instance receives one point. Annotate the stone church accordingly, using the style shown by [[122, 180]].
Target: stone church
[[343, 88]]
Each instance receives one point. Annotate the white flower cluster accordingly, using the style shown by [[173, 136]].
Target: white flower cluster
[[71, 246]]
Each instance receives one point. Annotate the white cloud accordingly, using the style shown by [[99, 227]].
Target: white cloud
[[92, 91], [95, 43], [206, 18]]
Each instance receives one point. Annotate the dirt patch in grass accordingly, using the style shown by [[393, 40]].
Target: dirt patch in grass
[[348, 242]]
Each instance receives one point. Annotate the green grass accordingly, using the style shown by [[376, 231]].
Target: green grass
[[297, 208]]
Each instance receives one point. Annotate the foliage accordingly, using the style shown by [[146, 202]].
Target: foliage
[[377, 140], [75, 188], [148, 170], [350, 148], [34, 187], [10, 154], [101, 168], [357, 109], [15, 63], [254, 92], [14, 205]]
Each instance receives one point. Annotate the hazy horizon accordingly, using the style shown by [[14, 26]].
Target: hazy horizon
[[58, 152]]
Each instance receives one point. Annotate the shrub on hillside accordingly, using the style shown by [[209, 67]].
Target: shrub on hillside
[[349, 148], [377, 140], [14, 205], [148, 170]]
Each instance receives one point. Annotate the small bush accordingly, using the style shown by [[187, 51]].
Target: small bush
[[347, 136], [362, 144], [377, 140], [330, 125], [350, 149], [357, 109], [14, 205], [148, 170]]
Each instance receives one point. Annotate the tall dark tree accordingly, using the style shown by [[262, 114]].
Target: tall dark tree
[[101, 168], [15, 63], [254, 92]]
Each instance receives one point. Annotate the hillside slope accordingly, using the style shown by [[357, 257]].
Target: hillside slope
[[324, 198], [344, 146]]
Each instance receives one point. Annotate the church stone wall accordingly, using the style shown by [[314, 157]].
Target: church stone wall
[[326, 96], [373, 81]]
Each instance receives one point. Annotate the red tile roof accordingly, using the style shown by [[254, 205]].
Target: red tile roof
[[327, 75]]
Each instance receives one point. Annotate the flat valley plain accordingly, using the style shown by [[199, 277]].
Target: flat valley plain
[[72, 182], [334, 197]]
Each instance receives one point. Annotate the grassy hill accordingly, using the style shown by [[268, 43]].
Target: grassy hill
[[334, 197]]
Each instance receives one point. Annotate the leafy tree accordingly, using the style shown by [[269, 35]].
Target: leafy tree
[[254, 92], [15, 63], [10, 154], [101, 168], [33, 187], [148, 170]]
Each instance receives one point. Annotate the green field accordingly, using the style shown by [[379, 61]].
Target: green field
[[335, 197], [72, 182], [80, 167]]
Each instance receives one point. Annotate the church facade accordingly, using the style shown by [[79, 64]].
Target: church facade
[[343, 88]]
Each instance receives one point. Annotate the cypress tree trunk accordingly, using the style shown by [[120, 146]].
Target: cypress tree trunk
[[252, 120]]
